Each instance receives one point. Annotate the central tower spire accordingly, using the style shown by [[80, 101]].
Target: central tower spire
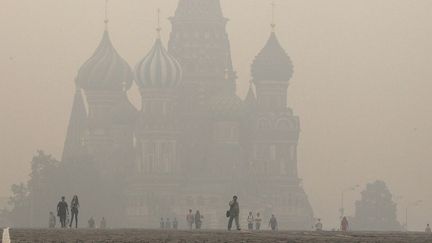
[[200, 42]]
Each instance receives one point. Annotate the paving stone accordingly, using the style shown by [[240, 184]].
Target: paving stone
[[157, 236]]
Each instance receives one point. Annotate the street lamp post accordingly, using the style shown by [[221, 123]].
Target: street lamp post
[[342, 209], [413, 204]]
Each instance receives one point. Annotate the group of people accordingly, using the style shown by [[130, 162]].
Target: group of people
[[234, 212], [192, 219], [251, 220], [67, 219], [63, 213], [168, 224]]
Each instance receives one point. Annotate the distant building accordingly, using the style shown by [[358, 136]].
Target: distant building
[[376, 210], [194, 143]]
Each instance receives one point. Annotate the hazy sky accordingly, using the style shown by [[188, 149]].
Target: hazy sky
[[362, 83]]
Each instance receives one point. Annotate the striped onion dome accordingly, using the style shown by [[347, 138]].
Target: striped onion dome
[[158, 69], [106, 70]]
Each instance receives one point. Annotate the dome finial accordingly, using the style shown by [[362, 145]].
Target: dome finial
[[273, 24], [106, 21], [158, 28]]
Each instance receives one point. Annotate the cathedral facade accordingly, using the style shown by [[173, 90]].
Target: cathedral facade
[[194, 143]]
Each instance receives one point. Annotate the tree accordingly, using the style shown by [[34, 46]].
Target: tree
[[19, 203], [376, 210], [30, 202]]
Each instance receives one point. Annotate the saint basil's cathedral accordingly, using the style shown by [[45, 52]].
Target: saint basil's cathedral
[[194, 143]]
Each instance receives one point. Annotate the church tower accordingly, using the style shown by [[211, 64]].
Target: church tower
[[276, 134], [200, 42], [105, 78], [157, 168]]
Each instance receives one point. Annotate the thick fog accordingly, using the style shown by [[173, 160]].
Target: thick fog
[[361, 84]]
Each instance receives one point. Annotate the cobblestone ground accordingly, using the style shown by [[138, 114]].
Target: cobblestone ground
[[155, 236]]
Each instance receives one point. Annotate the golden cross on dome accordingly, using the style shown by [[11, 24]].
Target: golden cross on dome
[[158, 29], [273, 24], [106, 14]]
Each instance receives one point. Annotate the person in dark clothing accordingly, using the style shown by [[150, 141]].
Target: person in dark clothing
[[234, 213], [198, 220], [74, 211], [162, 224], [62, 211], [91, 223], [168, 224], [103, 223], [273, 223], [175, 224]]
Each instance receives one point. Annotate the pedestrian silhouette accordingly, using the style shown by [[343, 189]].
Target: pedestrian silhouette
[[428, 229], [103, 223], [190, 219], [168, 224], [52, 220], [62, 211], [319, 225], [91, 223], [234, 213], [258, 221], [74, 211], [198, 220], [344, 224], [273, 223], [250, 221], [175, 224], [162, 224]]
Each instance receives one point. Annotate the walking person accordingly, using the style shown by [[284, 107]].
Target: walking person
[[162, 224], [103, 223], [344, 225], [175, 224], [190, 219], [273, 223], [234, 213], [91, 223], [74, 211], [168, 224], [62, 211], [198, 220], [52, 220], [258, 221], [428, 229], [318, 225], [250, 221]]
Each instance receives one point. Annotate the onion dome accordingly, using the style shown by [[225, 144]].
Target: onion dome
[[158, 69], [272, 63], [106, 70], [124, 113]]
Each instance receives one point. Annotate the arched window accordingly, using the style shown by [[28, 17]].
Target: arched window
[[285, 124], [264, 124]]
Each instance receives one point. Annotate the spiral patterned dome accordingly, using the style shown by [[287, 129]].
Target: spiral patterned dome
[[272, 63], [106, 70], [158, 69]]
